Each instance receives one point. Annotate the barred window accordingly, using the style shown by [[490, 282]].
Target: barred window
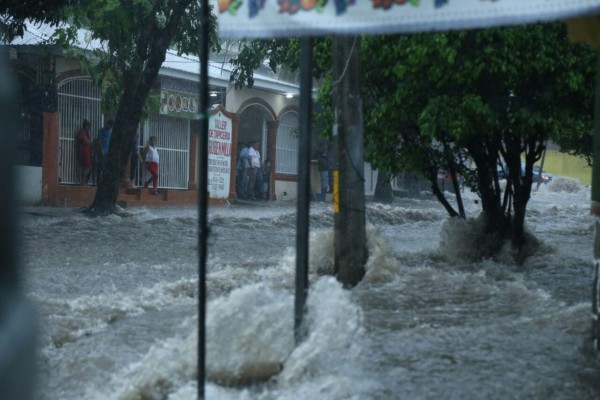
[[173, 145], [78, 99], [287, 144]]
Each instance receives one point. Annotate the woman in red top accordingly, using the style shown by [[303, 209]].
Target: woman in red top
[[84, 156]]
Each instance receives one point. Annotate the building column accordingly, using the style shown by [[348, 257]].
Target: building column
[[272, 127], [50, 159]]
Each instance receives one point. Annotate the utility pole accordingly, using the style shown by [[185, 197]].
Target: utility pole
[[303, 211], [348, 175], [596, 213]]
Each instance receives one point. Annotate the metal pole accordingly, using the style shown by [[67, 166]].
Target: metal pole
[[302, 224], [596, 212], [203, 195], [349, 182], [19, 322]]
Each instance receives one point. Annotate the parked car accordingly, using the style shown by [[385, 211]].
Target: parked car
[[542, 177]]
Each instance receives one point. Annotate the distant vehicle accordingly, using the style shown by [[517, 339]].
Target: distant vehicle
[[542, 177], [539, 175]]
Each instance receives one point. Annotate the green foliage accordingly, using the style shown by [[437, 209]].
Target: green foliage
[[128, 32], [276, 54], [467, 99], [518, 82], [14, 13]]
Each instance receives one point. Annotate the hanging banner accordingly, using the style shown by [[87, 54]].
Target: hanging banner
[[219, 155], [178, 104], [278, 18]]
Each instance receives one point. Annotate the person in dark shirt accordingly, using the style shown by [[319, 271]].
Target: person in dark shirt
[[104, 135]]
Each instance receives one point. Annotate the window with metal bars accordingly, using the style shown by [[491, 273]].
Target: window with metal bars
[[287, 144]]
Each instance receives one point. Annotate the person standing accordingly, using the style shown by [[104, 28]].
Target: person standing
[[254, 157], [242, 171], [83, 140], [104, 135], [150, 154]]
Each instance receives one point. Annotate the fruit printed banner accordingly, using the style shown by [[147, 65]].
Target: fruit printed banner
[[279, 18]]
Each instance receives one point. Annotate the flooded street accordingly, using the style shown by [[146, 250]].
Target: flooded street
[[117, 303]]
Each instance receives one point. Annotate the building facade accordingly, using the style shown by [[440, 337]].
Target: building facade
[[56, 96]]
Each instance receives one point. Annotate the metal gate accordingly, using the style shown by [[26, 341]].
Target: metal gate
[[78, 99], [287, 144], [173, 144]]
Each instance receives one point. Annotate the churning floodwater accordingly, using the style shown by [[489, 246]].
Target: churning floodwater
[[117, 305]]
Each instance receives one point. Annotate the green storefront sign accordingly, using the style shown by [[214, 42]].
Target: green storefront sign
[[178, 104]]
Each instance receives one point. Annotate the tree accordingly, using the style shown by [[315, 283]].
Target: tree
[[14, 14], [134, 37], [465, 101], [468, 100], [137, 36]]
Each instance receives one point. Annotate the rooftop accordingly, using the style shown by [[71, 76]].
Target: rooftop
[[180, 66]]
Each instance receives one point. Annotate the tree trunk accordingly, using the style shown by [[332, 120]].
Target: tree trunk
[[435, 188], [124, 130], [118, 156], [453, 175], [383, 190], [349, 187], [138, 81]]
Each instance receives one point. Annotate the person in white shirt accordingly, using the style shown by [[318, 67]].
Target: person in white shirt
[[255, 171], [150, 154]]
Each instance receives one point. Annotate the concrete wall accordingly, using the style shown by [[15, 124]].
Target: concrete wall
[[28, 187], [286, 190]]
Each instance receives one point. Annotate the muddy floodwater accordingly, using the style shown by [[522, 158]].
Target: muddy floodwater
[[117, 304]]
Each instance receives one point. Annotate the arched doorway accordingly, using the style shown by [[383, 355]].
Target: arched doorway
[[257, 124], [254, 126]]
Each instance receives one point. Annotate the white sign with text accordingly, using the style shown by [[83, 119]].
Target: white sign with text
[[219, 155]]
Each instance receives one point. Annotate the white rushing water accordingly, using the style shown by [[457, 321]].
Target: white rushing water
[[117, 305]]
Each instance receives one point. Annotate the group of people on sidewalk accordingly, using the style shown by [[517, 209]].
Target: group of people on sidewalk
[[253, 176], [92, 155]]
